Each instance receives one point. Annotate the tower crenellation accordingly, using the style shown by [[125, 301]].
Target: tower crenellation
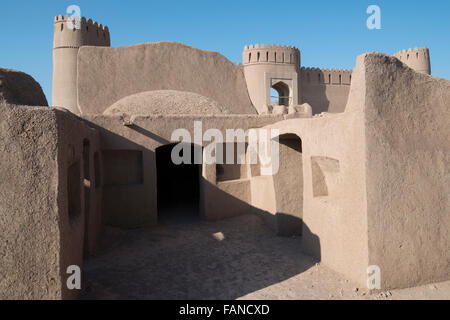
[[417, 59], [271, 53], [89, 33], [315, 76]]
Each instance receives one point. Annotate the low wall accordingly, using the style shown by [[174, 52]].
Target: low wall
[[42, 204]]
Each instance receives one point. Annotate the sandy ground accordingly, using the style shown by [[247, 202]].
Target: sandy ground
[[238, 258]]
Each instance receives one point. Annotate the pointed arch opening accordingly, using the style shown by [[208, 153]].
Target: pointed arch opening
[[280, 93]]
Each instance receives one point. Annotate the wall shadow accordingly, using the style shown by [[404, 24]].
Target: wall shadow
[[127, 192], [149, 134]]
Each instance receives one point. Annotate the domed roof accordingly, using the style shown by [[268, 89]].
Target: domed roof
[[19, 88], [165, 102]]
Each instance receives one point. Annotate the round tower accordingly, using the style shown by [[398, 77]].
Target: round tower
[[269, 67], [67, 40], [417, 59]]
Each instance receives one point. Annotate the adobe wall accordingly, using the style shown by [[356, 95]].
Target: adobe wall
[[376, 179], [79, 191], [326, 90], [334, 221], [37, 242], [408, 177], [29, 231], [133, 202], [288, 186], [120, 72]]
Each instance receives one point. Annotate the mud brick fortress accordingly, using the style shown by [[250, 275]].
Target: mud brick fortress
[[364, 156]]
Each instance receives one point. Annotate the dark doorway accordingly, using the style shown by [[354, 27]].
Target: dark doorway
[[178, 185]]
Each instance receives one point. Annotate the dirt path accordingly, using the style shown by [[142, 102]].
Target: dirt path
[[237, 258]]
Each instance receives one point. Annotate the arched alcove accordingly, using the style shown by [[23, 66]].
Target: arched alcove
[[288, 185]]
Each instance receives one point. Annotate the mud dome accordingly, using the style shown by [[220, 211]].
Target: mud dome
[[165, 102]]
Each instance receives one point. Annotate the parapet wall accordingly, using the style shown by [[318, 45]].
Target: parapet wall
[[266, 53], [90, 33], [326, 90], [120, 72], [417, 59], [315, 76]]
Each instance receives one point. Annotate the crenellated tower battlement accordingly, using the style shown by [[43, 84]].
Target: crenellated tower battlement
[[417, 59], [90, 33], [271, 68], [267, 53], [67, 40]]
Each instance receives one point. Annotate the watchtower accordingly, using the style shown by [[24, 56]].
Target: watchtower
[[68, 38], [269, 67], [417, 59]]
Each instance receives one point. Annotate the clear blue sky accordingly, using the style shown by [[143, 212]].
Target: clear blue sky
[[329, 33]]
